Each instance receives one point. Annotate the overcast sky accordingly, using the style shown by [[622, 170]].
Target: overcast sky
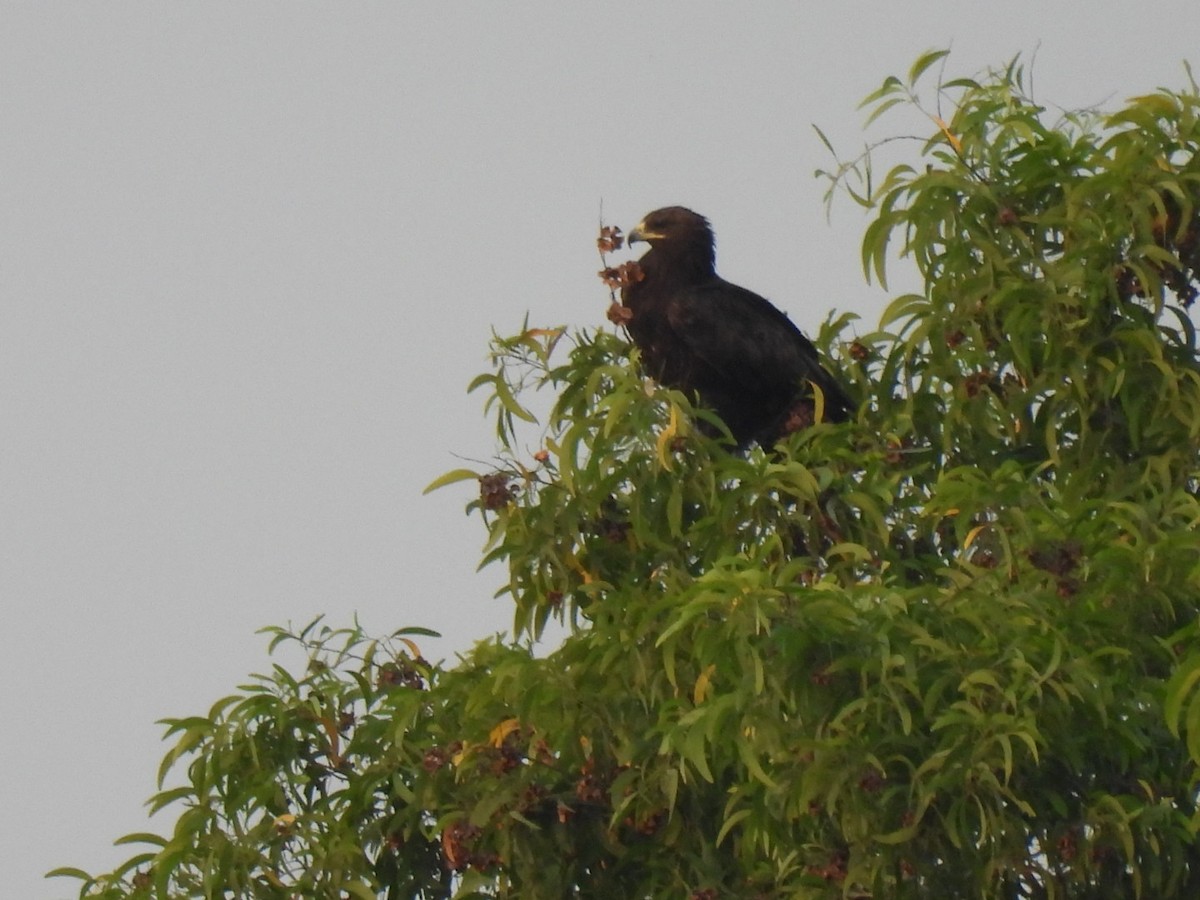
[[250, 257]]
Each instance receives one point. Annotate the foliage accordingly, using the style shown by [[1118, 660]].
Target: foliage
[[946, 650]]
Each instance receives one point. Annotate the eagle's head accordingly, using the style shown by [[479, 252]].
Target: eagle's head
[[669, 225], [676, 231]]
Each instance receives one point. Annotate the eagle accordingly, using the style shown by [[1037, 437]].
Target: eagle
[[732, 349]]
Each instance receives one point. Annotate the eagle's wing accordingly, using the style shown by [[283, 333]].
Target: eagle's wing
[[748, 345]]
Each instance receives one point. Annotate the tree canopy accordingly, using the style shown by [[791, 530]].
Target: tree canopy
[[945, 649]]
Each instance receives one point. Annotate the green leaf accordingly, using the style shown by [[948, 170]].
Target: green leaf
[[824, 140], [889, 86], [881, 108], [874, 249], [729, 824], [417, 630], [509, 402], [694, 750], [1180, 690], [68, 872], [749, 757], [142, 837], [923, 62], [451, 477], [166, 798]]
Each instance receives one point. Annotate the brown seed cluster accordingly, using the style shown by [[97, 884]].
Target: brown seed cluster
[[617, 277], [976, 382], [436, 757], [1061, 559], [494, 490], [610, 239], [402, 673], [619, 315], [834, 869], [458, 848]]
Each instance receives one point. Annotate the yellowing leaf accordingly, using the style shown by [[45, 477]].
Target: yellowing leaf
[[971, 535], [665, 436], [497, 735], [818, 404], [703, 686], [950, 136], [578, 567]]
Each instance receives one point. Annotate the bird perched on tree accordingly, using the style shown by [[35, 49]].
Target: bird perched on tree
[[698, 333]]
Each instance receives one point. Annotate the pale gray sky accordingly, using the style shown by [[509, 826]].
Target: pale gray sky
[[250, 256]]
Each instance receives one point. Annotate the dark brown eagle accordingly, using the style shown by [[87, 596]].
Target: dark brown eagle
[[698, 333]]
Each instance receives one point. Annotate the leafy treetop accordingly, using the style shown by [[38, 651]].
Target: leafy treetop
[[946, 649]]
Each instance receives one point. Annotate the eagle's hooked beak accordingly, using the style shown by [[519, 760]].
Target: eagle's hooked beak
[[641, 233]]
